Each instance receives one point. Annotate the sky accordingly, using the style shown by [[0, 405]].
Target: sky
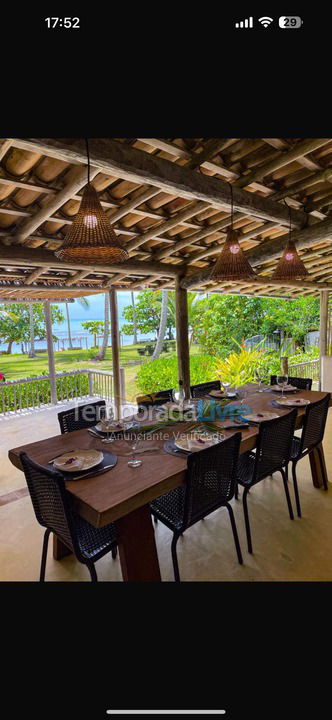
[[96, 309]]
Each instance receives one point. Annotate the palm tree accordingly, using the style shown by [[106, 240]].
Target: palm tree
[[134, 318], [32, 353], [192, 299], [102, 351], [83, 302], [162, 326]]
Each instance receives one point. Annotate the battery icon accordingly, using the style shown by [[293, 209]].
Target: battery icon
[[290, 21]]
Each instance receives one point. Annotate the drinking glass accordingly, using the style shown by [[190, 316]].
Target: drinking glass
[[282, 381], [106, 416], [225, 385], [133, 439], [242, 394], [259, 377]]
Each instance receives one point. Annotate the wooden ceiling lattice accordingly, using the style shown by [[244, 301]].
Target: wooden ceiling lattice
[[169, 202]]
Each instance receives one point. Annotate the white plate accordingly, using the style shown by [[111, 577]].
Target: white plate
[[292, 402], [195, 442], [260, 417], [222, 394], [287, 388], [84, 459], [115, 427]]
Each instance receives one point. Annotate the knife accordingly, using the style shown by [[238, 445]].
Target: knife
[[92, 473]]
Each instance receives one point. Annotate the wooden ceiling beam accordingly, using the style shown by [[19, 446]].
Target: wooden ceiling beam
[[36, 274], [112, 157], [77, 277], [6, 144], [21, 255], [285, 157], [56, 202]]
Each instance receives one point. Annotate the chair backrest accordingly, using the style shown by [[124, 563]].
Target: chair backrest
[[301, 383], [82, 416], [314, 423], [157, 398], [204, 388], [50, 500], [210, 479], [274, 444]]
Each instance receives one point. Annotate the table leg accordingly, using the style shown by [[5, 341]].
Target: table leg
[[60, 550], [137, 547], [317, 472]]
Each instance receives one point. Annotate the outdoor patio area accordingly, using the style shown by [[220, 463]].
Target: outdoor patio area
[[284, 550], [218, 471]]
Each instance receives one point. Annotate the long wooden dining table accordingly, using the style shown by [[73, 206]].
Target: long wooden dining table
[[122, 494]]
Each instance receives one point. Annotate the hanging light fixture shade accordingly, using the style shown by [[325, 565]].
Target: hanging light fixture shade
[[232, 263], [91, 238], [290, 265]]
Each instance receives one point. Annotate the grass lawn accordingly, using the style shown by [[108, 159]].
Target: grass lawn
[[19, 366]]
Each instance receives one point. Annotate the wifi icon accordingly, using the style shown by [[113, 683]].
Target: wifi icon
[[265, 21]]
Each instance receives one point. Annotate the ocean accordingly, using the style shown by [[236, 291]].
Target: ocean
[[81, 337]]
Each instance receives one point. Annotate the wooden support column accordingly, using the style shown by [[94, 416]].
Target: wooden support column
[[324, 301], [50, 351], [182, 340], [115, 351]]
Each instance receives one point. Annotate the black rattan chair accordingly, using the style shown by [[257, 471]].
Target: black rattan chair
[[53, 510], [209, 485], [273, 451], [311, 437], [204, 388], [154, 399], [301, 383], [80, 417]]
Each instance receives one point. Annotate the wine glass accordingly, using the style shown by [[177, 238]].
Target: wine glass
[[225, 385], [282, 381], [106, 416], [259, 377], [242, 394], [133, 439]]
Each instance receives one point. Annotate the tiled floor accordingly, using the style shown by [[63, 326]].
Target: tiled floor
[[283, 550]]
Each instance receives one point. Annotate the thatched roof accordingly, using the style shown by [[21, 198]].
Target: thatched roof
[[168, 201]]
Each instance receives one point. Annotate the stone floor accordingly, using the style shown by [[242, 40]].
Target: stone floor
[[283, 550]]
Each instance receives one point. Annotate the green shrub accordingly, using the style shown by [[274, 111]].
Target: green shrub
[[162, 374]]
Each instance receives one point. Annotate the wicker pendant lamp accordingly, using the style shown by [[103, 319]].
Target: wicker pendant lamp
[[290, 265], [91, 239], [232, 263]]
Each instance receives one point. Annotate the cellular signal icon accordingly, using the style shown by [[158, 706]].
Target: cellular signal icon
[[247, 23]]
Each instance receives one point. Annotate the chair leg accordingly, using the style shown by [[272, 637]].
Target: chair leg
[[235, 535], [155, 520], [44, 555], [236, 491], [174, 558], [114, 552], [246, 519], [92, 571], [284, 473], [296, 490], [322, 467]]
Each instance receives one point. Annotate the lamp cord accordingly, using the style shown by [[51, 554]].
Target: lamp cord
[[290, 219], [232, 205], [88, 156]]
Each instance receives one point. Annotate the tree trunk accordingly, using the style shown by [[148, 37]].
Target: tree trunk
[[134, 318], [70, 346], [9, 348], [32, 353], [162, 326], [102, 351]]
